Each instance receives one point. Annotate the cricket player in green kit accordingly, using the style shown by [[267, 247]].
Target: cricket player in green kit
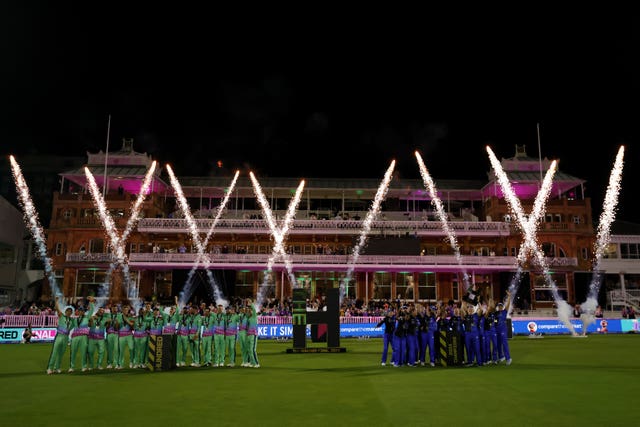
[[148, 317], [242, 335], [171, 319], [65, 322], [112, 337], [140, 335], [97, 330], [208, 324], [218, 337], [194, 336], [124, 324], [183, 338], [252, 335], [80, 337], [230, 332]]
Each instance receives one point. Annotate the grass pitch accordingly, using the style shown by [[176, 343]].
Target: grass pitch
[[554, 381]]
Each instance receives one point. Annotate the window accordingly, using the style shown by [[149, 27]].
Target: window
[[549, 249], [59, 247], [324, 280], [244, 284], [481, 251], [7, 254], [427, 286], [543, 290], [432, 250], [577, 219], [455, 287], [381, 285], [162, 284], [405, 286], [610, 251], [585, 253], [68, 213], [89, 282], [558, 217], [303, 278], [633, 251], [629, 250], [96, 246]]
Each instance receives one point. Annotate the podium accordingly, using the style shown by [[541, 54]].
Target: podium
[[451, 348], [162, 352]]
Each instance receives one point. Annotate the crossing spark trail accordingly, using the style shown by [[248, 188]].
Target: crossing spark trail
[[279, 235], [187, 290], [32, 220], [528, 229], [203, 257], [603, 238], [366, 228], [118, 242], [442, 216], [531, 224]]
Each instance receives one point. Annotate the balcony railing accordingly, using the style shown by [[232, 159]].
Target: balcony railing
[[92, 257], [322, 262], [253, 226]]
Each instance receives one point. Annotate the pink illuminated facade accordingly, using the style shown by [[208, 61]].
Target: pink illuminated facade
[[407, 254]]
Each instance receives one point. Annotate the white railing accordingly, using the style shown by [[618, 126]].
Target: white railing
[[36, 321], [620, 298], [229, 260], [252, 226], [184, 260], [92, 257]]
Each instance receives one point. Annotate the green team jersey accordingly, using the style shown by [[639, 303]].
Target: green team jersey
[[194, 322], [231, 328], [140, 324]]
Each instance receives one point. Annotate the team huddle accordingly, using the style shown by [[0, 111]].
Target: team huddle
[[207, 336], [479, 328]]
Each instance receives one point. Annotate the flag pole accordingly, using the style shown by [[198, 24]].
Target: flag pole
[[106, 158], [539, 151]]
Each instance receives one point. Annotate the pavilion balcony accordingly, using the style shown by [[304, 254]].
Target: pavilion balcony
[[333, 227], [320, 262]]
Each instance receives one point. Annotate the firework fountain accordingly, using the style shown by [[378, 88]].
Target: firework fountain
[[442, 216], [31, 219], [603, 237], [530, 224], [118, 242], [366, 228], [530, 241], [279, 235], [186, 292], [202, 257]]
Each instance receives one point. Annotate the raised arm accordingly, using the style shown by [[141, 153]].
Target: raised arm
[[58, 309], [507, 304]]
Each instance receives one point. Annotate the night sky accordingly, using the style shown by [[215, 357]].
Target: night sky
[[324, 93]]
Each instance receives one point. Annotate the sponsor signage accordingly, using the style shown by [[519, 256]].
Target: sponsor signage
[[555, 326], [14, 335], [520, 326]]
